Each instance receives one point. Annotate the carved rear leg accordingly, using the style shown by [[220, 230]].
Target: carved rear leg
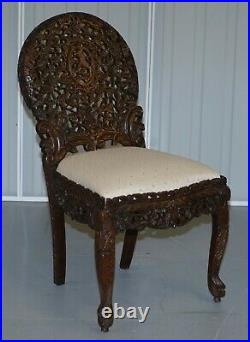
[[59, 246], [220, 223], [128, 248], [58, 230], [105, 267]]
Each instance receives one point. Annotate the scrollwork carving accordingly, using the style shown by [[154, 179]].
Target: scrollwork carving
[[135, 126], [52, 140]]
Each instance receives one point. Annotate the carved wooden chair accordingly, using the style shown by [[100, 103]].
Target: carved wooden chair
[[79, 79]]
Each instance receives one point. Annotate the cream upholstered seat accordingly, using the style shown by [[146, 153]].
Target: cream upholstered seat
[[124, 171]]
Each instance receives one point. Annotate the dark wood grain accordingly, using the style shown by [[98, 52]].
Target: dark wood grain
[[128, 248], [78, 77]]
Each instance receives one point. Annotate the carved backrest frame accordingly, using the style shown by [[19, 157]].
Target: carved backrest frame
[[79, 79]]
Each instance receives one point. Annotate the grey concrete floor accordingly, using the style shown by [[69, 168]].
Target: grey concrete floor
[[168, 274]]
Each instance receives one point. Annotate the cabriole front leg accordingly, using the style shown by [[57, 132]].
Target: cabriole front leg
[[220, 229], [105, 266]]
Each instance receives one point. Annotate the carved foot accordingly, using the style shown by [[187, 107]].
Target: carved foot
[[217, 288], [59, 281], [105, 267], [217, 250], [104, 322]]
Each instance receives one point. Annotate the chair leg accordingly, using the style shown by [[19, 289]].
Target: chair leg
[[220, 229], [59, 246], [105, 267], [128, 248], [58, 230]]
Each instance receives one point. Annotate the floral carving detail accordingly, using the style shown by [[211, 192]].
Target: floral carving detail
[[159, 210], [78, 77]]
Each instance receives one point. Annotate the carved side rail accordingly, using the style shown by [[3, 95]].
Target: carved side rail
[[167, 209]]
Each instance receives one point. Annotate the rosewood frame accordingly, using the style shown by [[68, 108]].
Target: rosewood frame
[[65, 122]]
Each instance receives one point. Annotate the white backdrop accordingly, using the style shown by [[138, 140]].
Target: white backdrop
[[192, 64]]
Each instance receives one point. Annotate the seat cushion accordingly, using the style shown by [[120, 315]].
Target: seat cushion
[[125, 171]]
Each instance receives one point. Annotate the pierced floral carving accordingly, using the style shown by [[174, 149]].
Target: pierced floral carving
[[78, 77]]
